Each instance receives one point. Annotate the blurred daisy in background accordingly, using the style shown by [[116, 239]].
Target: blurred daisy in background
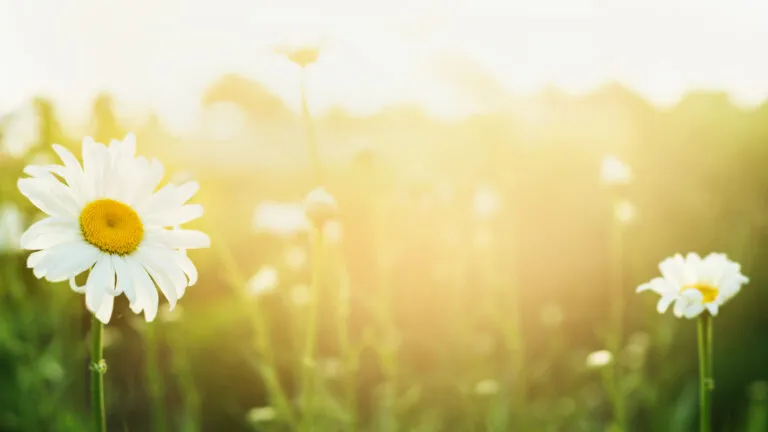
[[108, 217], [613, 171], [284, 219], [265, 280], [598, 359], [694, 284], [20, 130], [11, 227]]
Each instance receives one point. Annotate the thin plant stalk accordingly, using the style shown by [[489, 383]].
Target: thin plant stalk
[[309, 127], [388, 350], [348, 354], [155, 380], [98, 368], [616, 388], [308, 357], [263, 344], [189, 391], [706, 380]]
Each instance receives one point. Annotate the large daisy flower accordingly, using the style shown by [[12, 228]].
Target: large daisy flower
[[108, 217], [694, 284]]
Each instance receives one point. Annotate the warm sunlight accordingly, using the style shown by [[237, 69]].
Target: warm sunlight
[[383, 215], [377, 53]]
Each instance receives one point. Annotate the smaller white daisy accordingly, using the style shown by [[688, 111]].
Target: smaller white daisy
[[694, 284]]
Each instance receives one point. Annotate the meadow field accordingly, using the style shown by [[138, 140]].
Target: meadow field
[[383, 216], [480, 276]]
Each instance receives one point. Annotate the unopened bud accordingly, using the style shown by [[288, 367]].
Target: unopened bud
[[320, 207]]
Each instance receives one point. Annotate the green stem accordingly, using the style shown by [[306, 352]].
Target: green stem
[[314, 152], [98, 368], [155, 380], [267, 366], [616, 340], [348, 354], [706, 380], [308, 359]]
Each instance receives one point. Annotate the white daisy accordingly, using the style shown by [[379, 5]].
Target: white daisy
[[695, 285], [107, 217]]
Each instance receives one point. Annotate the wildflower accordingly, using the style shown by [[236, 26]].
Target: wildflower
[[599, 359], [284, 219], [106, 217], [21, 131], [695, 285], [261, 414], [264, 281], [10, 228], [614, 171], [320, 207]]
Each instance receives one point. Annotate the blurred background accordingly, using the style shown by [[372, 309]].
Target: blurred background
[[507, 174]]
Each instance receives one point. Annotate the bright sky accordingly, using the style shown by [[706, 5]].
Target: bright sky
[[163, 53]]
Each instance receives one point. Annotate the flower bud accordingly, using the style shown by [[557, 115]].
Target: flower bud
[[320, 207]]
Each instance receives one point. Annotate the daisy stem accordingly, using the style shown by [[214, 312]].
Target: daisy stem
[[155, 380], [314, 152], [308, 361], [98, 368], [706, 380], [616, 339]]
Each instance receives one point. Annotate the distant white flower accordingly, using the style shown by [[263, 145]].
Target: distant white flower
[[320, 206], [487, 387], [486, 202], [264, 281], [10, 228], [624, 211], [106, 217], [695, 285], [20, 131], [284, 219], [599, 359], [261, 414], [614, 171]]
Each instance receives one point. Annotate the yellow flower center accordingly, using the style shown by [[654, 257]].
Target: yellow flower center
[[111, 226], [707, 291]]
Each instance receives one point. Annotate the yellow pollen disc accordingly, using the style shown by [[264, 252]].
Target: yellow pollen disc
[[111, 226], [707, 291]]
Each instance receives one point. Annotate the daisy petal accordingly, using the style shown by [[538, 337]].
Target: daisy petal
[[146, 293]]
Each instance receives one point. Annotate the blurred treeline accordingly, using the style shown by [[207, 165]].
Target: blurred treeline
[[475, 266]]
